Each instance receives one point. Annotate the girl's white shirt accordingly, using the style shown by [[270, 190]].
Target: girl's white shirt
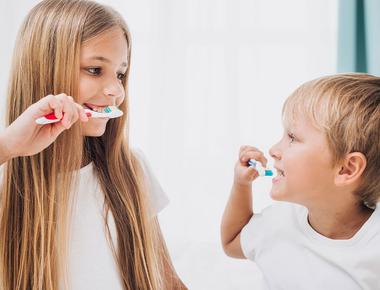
[[91, 264]]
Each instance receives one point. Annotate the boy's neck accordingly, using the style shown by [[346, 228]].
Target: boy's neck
[[341, 222]]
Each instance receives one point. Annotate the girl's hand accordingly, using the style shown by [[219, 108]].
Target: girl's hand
[[24, 137], [245, 174]]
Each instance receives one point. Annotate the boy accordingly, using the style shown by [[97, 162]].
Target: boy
[[325, 234]]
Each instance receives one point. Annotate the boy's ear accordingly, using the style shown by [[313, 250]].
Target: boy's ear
[[351, 168]]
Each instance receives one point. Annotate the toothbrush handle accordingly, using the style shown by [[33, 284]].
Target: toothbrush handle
[[48, 119], [51, 118]]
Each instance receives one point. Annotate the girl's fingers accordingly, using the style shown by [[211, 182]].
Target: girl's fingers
[[63, 106], [69, 110], [81, 112], [55, 105]]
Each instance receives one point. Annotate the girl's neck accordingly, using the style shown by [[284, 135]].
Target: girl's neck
[[85, 161]]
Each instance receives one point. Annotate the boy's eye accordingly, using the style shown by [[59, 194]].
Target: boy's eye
[[291, 137]]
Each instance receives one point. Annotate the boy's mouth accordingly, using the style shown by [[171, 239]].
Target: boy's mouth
[[280, 172]]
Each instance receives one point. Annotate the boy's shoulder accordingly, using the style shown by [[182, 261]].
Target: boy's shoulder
[[283, 209], [279, 216], [372, 226]]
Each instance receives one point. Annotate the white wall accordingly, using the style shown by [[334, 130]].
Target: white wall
[[206, 77]]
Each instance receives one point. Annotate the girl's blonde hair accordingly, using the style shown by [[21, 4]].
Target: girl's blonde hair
[[36, 198], [346, 108]]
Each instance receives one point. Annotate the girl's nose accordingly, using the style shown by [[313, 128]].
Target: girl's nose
[[114, 90]]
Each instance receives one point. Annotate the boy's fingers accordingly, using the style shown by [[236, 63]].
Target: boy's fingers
[[242, 148], [246, 147], [256, 155], [247, 150], [252, 173]]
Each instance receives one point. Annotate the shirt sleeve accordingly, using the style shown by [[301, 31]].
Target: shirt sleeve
[[159, 199], [263, 228]]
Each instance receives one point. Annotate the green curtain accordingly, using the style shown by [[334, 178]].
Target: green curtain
[[359, 36]]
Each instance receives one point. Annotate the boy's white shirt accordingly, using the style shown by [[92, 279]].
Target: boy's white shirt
[[91, 264], [292, 255]]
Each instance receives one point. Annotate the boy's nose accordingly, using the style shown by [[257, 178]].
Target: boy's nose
[[274, 152]]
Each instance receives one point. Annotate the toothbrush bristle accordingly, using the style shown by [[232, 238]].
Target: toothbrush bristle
[[107, 110]]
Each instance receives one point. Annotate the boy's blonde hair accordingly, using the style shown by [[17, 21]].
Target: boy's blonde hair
[[346, 108]]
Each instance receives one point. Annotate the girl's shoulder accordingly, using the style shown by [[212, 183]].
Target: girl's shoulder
[[157, 195]]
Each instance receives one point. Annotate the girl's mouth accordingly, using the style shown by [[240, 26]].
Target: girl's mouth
[[96, 108]]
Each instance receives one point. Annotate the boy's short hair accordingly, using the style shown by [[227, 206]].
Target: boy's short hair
[[346, 108]]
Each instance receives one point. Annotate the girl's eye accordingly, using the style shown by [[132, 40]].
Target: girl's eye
[[120, 76], [94, 70], [291, 137]]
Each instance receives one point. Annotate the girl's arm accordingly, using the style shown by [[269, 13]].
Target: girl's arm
[[171, 279], [239, 207], [5, 155]]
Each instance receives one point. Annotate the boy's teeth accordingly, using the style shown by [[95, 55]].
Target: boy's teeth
[[280, 172]]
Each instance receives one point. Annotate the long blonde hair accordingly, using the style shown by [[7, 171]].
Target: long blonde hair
[[36, 192]]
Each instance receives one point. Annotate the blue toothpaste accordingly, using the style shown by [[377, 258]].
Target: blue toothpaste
[[261, 170]]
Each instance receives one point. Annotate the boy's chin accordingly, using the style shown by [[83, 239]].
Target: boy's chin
[[279, 195], [286, 196]]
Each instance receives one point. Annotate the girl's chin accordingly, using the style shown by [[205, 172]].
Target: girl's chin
[[95, 129]]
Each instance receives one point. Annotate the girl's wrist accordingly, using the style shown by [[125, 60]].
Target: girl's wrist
[[5, 150]]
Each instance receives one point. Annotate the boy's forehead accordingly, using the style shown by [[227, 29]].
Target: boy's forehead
[[299, 123]]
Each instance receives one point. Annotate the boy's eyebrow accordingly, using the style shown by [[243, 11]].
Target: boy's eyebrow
[[103, 59]]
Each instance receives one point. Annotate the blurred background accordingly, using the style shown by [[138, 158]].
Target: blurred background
[[208, 77]]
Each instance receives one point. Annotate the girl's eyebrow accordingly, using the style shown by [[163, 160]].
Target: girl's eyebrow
[[103, 59]]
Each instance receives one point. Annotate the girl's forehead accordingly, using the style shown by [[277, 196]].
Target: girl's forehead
[[110, 45], [109, 39]]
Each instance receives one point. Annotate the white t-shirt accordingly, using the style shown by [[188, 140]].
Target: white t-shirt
[[292, 255], [91, 264]]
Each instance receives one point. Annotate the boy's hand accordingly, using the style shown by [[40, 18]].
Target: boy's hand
[[24, 137], [245, 174]]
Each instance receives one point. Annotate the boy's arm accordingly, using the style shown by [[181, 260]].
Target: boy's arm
[[236, 215], [239, 207]]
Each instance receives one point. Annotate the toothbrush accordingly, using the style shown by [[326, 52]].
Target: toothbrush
[[108, 112], [261, 170]]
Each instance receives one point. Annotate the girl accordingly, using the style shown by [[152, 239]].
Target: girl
[[81, 214]]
